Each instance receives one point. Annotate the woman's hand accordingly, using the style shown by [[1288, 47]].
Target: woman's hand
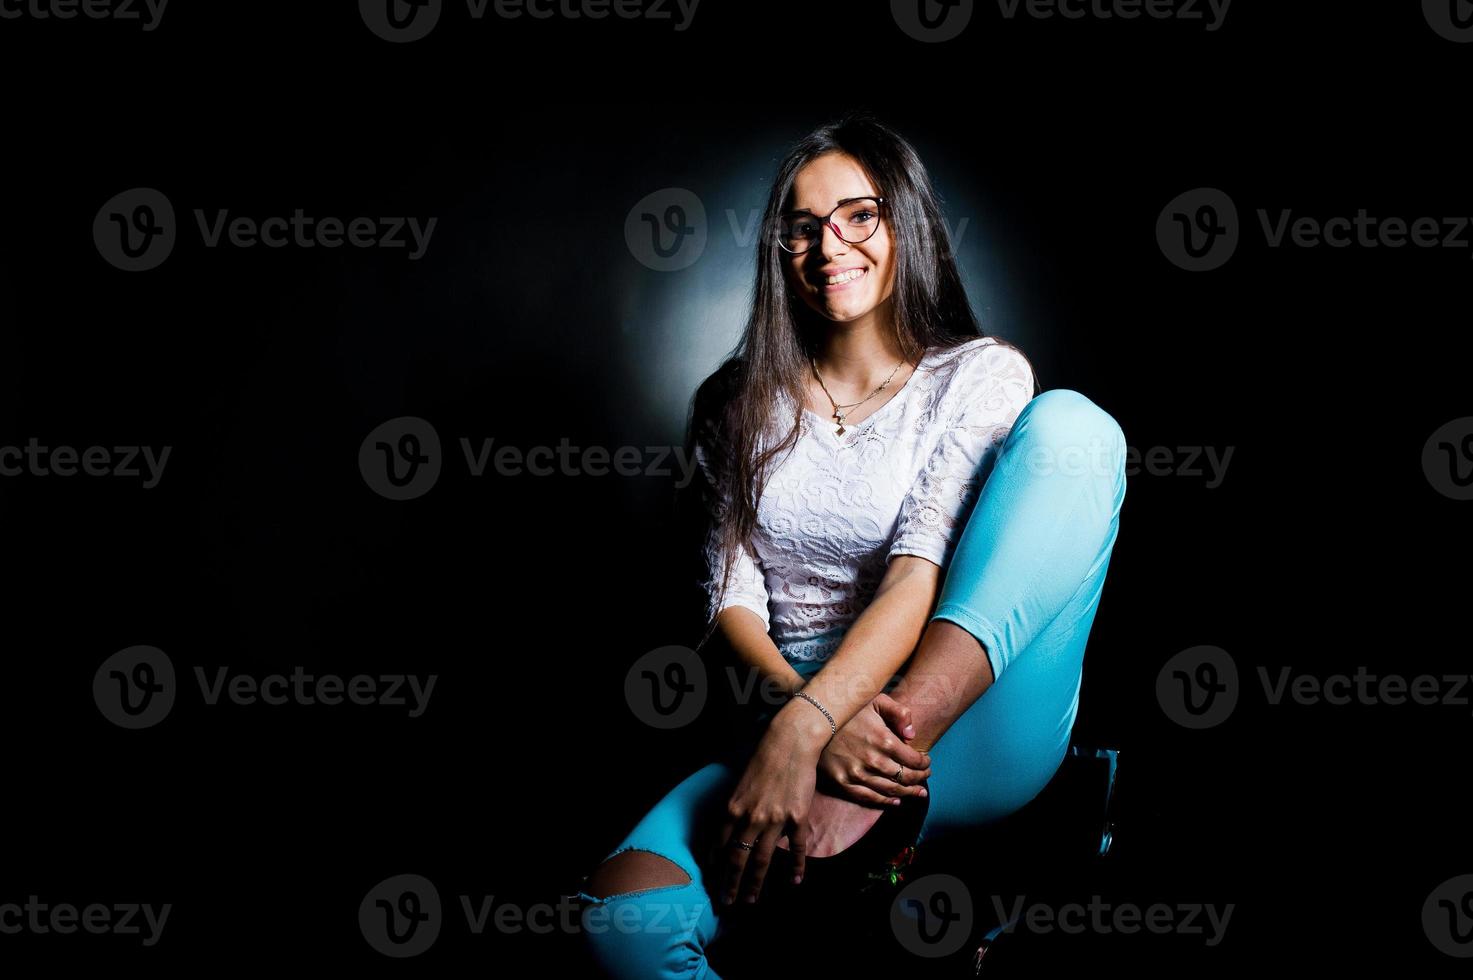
[[770, 801], [863, 757]]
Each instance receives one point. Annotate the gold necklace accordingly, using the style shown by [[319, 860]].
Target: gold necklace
[[841, 411]]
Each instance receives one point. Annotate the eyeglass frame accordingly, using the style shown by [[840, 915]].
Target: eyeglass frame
[[828, 224]]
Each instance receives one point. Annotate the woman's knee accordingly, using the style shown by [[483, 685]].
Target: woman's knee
[[634, 870], [645, 917], [1063, 431]]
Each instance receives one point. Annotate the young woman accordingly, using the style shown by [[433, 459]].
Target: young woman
[[891, 495]]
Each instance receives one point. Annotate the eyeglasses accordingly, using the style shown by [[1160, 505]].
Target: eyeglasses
[[854, 221]]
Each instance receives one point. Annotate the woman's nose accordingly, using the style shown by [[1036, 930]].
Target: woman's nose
[[833, 243]]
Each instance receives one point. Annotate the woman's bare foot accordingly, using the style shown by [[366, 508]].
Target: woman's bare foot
[[836, 823]]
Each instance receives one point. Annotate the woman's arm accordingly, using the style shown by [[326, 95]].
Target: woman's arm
[[870, 654], [749, 640]]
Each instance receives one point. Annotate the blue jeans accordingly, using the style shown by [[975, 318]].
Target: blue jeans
[[1025, 580]]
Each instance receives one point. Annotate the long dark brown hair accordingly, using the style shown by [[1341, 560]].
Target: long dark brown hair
[[732, 410]]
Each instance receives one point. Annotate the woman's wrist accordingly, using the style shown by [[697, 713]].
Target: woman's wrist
[[803, 727]]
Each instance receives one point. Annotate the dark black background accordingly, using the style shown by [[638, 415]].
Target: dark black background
[[529, 320]]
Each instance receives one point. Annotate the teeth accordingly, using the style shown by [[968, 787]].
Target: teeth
[[845, 276]]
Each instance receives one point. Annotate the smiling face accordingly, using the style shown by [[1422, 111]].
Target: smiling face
[[840, 280]]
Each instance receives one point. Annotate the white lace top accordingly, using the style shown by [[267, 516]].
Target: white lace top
[[900, 482]]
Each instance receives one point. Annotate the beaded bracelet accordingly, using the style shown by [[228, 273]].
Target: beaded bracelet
[[834, 729]]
